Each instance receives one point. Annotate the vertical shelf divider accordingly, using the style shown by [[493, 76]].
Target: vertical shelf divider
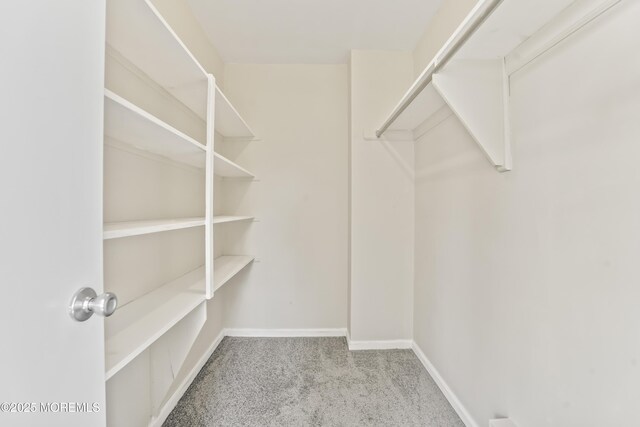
[[209, 187]]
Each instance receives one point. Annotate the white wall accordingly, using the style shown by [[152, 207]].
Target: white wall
[[449, 15], [527, 282], [381, 190], [299, 279]]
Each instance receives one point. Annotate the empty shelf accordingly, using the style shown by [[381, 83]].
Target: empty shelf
[[513, 22], [138, 32], [226, 168], [225, 267], [228, 122], [116, 230], [125, 122], [222, 219], [496, 38], [141, 322]]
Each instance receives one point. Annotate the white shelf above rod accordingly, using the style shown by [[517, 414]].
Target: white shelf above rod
[[475, 19]]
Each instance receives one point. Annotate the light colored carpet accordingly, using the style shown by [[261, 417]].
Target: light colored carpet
[[311, 382]]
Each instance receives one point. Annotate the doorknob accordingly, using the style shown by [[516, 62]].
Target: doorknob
[[85, 302]]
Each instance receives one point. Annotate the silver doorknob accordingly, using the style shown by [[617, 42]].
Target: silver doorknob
[[85, 302]]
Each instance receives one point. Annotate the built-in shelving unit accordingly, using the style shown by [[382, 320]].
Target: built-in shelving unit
[[117, 230], [470, 73], [228, 266], [162, 316], [142, 321]]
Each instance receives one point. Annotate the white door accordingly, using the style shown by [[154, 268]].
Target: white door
[[51, 103]]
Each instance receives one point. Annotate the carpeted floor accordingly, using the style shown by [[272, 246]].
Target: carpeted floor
[[311, 382]]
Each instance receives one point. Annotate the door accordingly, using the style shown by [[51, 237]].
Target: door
[[51, 103]]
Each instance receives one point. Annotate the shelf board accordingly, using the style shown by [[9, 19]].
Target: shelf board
[[223, 219], [137, 31], [125, 122], [225, 267], [226, 168], [141, 322], [512, 22], [228, 122], [115, 230]]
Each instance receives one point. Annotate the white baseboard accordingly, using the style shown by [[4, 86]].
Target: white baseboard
[[177, 395], [377, 345], [501, 422], [278, 333], [444, 387]]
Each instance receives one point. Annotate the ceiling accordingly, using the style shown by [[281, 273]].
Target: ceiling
[[310, 31]]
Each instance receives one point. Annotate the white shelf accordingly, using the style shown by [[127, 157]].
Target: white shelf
[[138, 32], [226, 168], [223, 219], [125, 122], [141, 322], [115, 230], [470, 73], [228, 121], [225, 267], [513, 22]]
